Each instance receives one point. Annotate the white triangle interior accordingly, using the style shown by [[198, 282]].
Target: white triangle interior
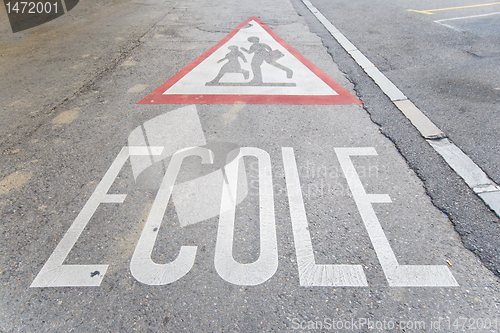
[[303, 81]]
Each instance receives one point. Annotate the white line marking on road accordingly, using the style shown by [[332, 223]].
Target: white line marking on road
[[397, 275], [54, 273], [466, 17], [385, 84], [450, 26], [363, 61], [346, 43], [142, 267], [311, 274], [419, 120], [265, 267], [461, 18], [416, 116], [380, 79], [492, 199], [462, 164]]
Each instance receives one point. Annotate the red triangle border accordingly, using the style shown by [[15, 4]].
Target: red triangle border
[[343, 97]]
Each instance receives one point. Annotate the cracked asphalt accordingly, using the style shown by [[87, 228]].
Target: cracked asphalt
[[70, 89]]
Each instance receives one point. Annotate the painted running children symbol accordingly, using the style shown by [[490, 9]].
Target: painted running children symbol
[[218, 76], [232, 66], [263, 52]]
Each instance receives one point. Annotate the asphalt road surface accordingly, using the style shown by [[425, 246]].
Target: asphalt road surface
[[228, 167]]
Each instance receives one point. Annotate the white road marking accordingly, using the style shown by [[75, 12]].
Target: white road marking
[[416, 116], [265, 267], [467, 17], [385, 84], [199, 199], [363, 61], [397, 275], [423, 124], [380, 79], [473, 176], [450, 26], [461, 18], [311, 274], [54, 273], [464, 166], [142, 266], [492, 199]]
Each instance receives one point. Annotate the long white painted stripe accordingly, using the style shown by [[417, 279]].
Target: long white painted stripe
[[461, 18], [463, 165], [475, 178], [380, 79], [466, 17], [385, 84], [423, 124], [397, 275], [261, 270], [363, 61], [310, 273], [142, 267], [449, 26], [492, 199]]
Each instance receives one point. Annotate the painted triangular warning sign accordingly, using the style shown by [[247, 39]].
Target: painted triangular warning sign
[[251, 65]]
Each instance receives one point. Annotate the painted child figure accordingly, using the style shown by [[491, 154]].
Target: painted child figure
[[232, 66]]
